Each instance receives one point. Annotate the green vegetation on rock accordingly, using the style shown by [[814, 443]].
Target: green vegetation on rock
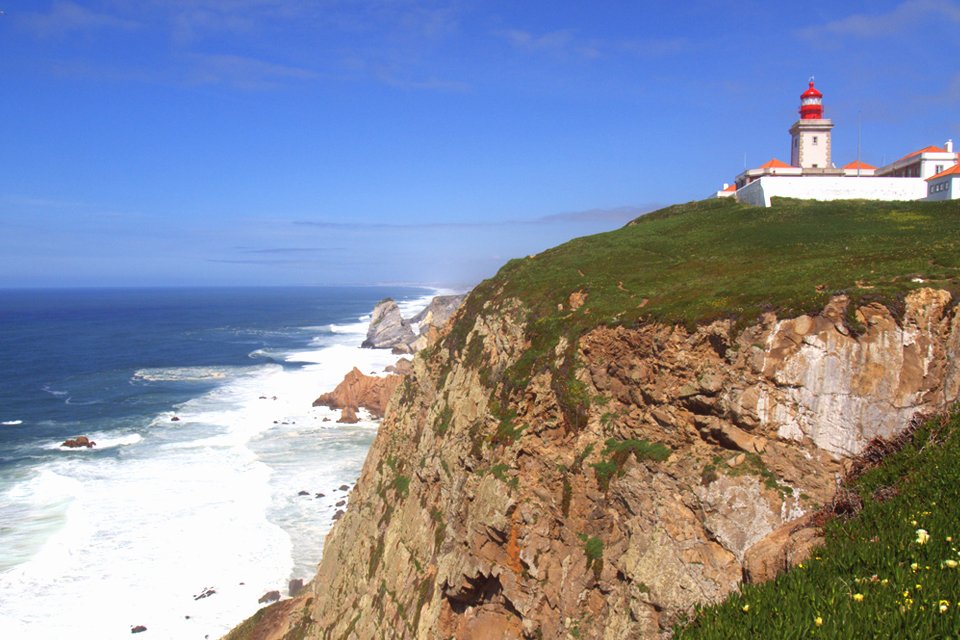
[[617, 452], [891, 571]]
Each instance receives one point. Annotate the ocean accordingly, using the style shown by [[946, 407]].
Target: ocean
[[199, 401]]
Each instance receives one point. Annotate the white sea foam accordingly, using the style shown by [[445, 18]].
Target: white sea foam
[[54, 392], [11, 423], [183, 374], [210, 500]]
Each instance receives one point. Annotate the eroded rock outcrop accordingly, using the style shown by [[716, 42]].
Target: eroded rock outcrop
[[389, 330], [387, 327], [360, 391], [642, 471]]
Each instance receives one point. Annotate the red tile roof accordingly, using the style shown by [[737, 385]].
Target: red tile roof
[[930, 149], [731, 187], [955, 169], [858, 164], [773, 163]]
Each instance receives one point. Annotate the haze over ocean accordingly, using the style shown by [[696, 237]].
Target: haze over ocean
[[93, 542]]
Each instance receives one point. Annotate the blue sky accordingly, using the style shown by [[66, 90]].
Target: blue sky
[[208, 142]]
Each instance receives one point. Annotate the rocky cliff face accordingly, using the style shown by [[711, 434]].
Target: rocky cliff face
[[644, 470]]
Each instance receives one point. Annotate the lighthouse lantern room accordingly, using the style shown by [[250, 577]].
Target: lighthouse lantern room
[[810, 135]]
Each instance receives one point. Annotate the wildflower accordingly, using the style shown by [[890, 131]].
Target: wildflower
[[884, 582], [944, 605], [950, 564], [922, 536], [913, 522], [914, 566], [818, 621], [908, 602], [745, 608], [918, 587], [949, 538], [858, 597], [800, 565]]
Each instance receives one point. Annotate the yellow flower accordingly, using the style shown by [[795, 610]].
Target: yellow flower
[[913, 522], [908, 602], [949, 538], [818, 621], [922, 536], [745, 608], [914, 566], [918, 587], [858, 597], [950, 564], [884, 582], [944, 605]]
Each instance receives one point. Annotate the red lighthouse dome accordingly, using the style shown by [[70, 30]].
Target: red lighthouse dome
[[811, 104]]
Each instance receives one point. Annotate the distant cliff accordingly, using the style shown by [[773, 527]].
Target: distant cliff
[[619, 428]]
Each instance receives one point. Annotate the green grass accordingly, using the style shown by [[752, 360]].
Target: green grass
[[714, 259], [874, 577]]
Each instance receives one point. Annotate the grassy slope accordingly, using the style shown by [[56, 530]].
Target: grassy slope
[[717, 258], [874, 578]]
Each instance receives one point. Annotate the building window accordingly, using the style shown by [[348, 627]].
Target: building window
[[938, 169], [815, 139]]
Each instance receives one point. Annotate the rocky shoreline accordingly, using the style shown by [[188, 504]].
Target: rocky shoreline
[[388, 329]]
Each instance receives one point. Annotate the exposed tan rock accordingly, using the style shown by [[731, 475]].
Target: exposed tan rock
[[457, 529], [781, 550]]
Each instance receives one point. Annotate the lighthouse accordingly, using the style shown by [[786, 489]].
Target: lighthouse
[[810, 135]]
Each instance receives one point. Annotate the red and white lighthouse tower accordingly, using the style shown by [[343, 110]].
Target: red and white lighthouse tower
[[810, 135]]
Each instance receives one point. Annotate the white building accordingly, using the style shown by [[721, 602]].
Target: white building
[[945, 185], [925, 163], [812, 175]]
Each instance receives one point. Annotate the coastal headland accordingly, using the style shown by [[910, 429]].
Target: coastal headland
[[619, 429]]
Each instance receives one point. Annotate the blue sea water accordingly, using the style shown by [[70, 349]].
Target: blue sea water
[[199, 401]]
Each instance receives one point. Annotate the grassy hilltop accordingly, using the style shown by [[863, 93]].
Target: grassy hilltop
[[716, 258]]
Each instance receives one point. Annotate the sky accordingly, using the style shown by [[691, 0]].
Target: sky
[[325, 142]]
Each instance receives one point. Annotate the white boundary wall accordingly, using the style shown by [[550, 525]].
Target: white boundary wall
[[760, 191]]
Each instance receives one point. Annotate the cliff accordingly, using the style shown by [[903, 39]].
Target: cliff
[[625, 426]]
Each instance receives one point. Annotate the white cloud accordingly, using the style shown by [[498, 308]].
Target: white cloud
[[64, 17], [243, 72], [904, 16]]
